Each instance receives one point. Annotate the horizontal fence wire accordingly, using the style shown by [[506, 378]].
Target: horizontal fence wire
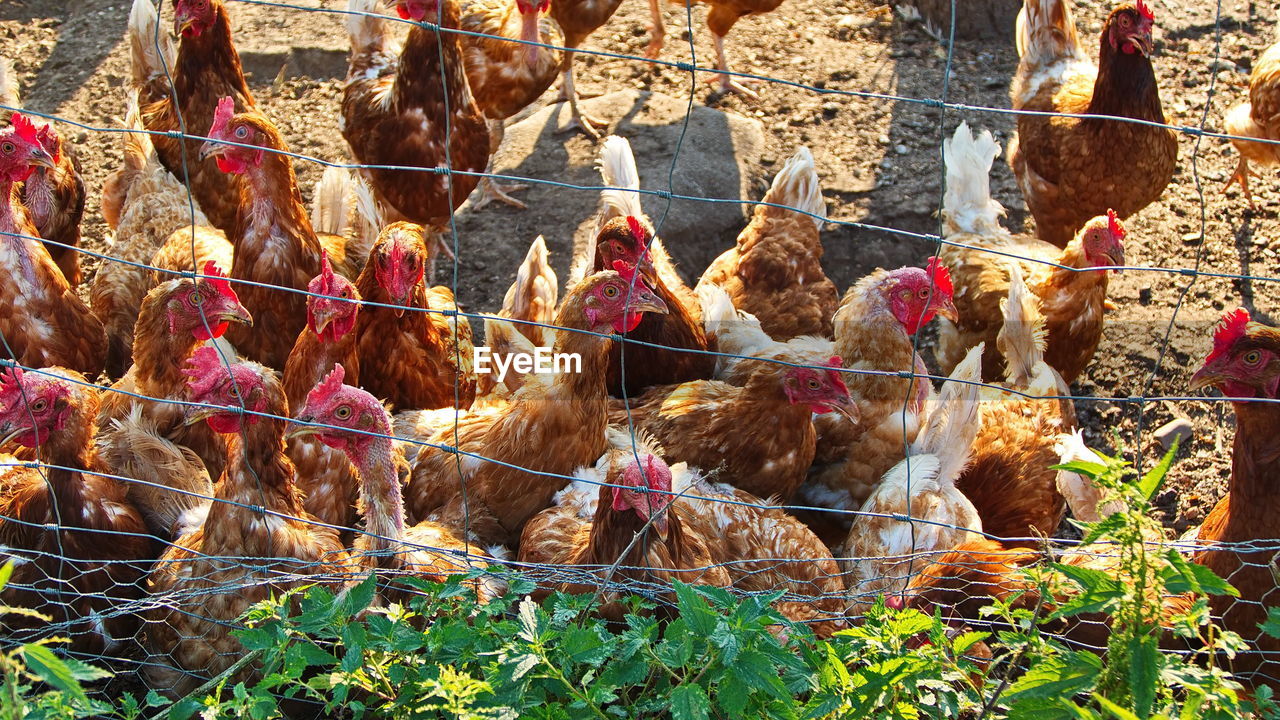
[[132, 653]]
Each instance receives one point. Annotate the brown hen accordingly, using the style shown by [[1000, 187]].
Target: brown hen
[[1258, 117]]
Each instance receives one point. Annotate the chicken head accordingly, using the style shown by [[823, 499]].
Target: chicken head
[[625, 239], [334, 306], [1245, 360], [916, 295], [615, 300], [220, 389], [822, 390], [645, 487], [417, 10], [20, 150], [352, 415], [192, 17], [1103, 240], [32, 406], [205, 306], [1129, 28], [531, 12], [400, 262], [247, 128]]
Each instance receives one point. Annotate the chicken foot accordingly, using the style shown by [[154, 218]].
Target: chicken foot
[[489, 188], [1241, 175], [729, 83]]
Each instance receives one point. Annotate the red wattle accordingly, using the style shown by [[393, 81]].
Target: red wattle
[[627, 323], [402, 11], [225, 164], [216, 330]]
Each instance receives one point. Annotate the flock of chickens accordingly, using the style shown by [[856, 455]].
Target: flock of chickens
[[277, 377]]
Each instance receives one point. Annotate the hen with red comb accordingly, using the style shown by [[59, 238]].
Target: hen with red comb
[[79, 549]]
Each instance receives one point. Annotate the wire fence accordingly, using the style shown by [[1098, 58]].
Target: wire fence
[[147, 611]]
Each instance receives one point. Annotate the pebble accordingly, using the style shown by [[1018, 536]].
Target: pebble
[[1190, 237], [901, 149], [1179, 430], [1224, 65]]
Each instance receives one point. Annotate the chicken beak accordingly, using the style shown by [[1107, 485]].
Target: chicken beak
[[10, 433], [661, 525], [1117, 259], [646, 303], [41, 158], [211, 148], [1207, 376], [237, 315], [849, 409], [198, 414], [301, 430], [1143, 42], [181, 23], [323, 318], [948, 310]]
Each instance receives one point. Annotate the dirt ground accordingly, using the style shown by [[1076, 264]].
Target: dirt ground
[[879, 161]]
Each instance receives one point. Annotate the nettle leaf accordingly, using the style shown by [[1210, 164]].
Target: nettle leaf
[[1059, 676], [357, 598], [530, 621], [583, 645], [695, 610], [85, 672], [1103, 528], [1184, 576], [1144, 672], [760, 674], [6, 572], [1271, 625], [1150, 482], [1114, 710], [689, 702], [50, 668], [676, 648], [522, 664]]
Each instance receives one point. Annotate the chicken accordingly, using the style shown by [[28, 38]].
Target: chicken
[[42, 321], [506, 77], [1259, 117], [54, 196], [1072, 293], [1245, 366], [721, 18], [615, 522], [873, 330], [702, 423], [763, 549], [181, 95], [882, 547], [577, 20], [256, 539], [1009, 480], [421, 359], [276, 248], [510, 463], [351, 421], [410, 106], [81, 548], [775, 270], [328, 481], [148, 439], [1071, 169], [151, 213], [677, 347]]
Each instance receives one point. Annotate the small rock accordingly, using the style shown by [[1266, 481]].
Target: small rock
[[1224, 65], [1144, 296], [1190, 237], [901, 149], [1179, 430]]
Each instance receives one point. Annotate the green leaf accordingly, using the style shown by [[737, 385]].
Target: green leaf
[[760, 674], [695, 610], [689, 702], [1271, 625], [1183, 576], [1144, 673], [6, 572], [1060, 676], [358, 598], [50, 668], [1150, 482], [1082, 467], [1114, 709], [84, 672]]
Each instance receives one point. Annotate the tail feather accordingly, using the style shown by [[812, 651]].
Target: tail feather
[[1046, 32], [967, 206], [151, 49], [534, 294], [9, 94], [331, 200], [1022, 337], [797, 185], [1082, 495], [618, 170], [952, 427], [718, 311], [369, 33]]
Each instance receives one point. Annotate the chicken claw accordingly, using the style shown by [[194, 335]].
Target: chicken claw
[[730, 84], [1241, 175], [490, 191]]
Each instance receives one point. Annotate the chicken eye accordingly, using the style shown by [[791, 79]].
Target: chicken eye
[[813, 384], [197, 298], [1253, 357], [611, 291], [343, 412], [8, 148], [39, 405], [924, 293], [242, 132]]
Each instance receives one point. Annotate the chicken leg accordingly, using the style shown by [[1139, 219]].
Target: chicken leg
[[1241, 175], [589, 125], [657, 31], [729, 83], [489, 188]]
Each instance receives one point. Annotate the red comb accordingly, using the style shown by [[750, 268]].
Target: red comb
[[11, 387], [217, 279], [331, 384], [24, 128], [204, 369], [1113, 225], [222, 116], [638, 229], [1230, 329], [1145, 9], [837, 364], [625, 269], [940, 275]]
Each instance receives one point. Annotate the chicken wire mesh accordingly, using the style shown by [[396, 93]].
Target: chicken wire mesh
[[106, 606]]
